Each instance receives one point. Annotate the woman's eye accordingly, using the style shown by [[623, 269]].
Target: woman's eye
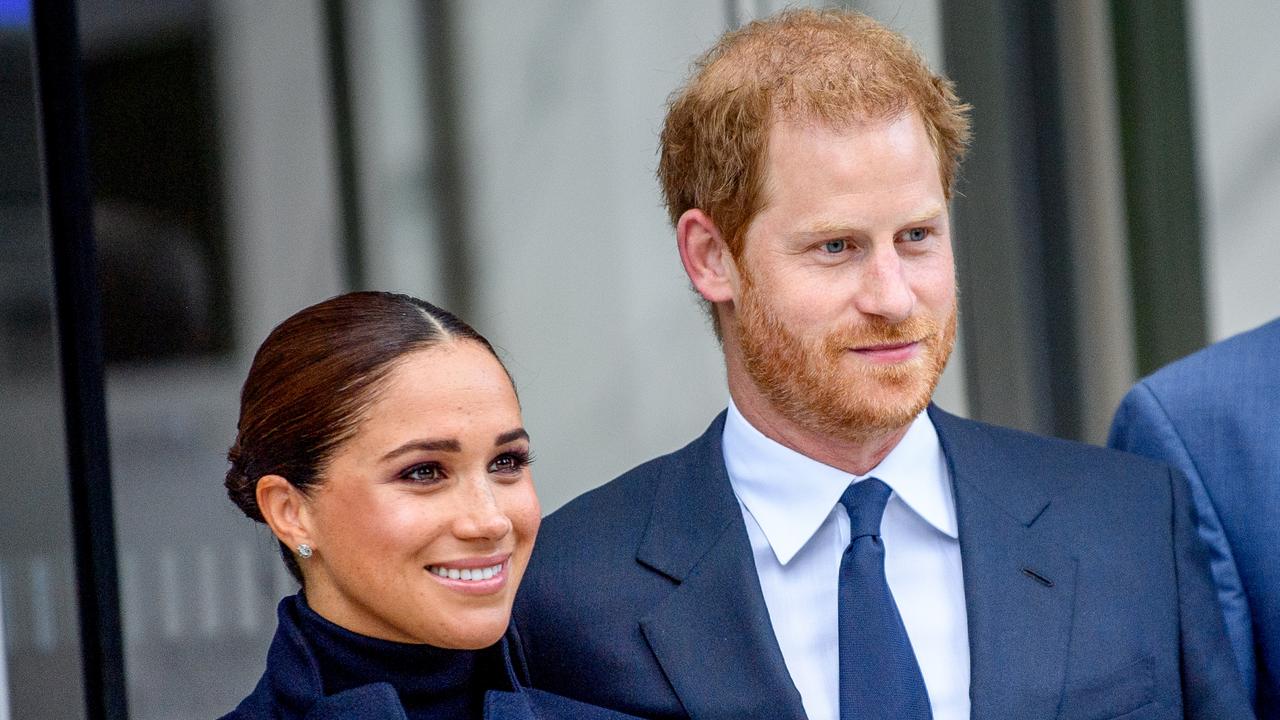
[[916, 234], [425, 473], [835, 246], [510, 463]]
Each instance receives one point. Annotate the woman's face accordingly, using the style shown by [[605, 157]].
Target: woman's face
[[424, 520]]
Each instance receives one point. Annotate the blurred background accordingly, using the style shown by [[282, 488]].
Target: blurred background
[[249, 158]]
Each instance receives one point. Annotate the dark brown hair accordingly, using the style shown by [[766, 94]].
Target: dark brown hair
[[314, 377]]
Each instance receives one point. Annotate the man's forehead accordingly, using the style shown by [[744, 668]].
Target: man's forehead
[[786, 136], [804, 125]]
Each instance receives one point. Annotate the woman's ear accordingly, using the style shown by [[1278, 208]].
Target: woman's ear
[[706, 256], [284, 508]]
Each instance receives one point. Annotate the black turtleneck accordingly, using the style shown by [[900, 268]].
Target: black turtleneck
[[432, 682]]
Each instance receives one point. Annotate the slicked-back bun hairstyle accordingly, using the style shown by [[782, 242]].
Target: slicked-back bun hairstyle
[[314, 377]]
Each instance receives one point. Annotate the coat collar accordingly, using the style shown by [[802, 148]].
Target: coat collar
[[696, 537], [292, 687]]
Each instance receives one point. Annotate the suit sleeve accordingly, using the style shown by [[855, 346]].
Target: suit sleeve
[[1211, 683], [1142, 426]]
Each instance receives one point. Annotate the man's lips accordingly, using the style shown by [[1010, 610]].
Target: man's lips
[[888, 352]]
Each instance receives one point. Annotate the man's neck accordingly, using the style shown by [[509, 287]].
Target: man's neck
[[856, 457]]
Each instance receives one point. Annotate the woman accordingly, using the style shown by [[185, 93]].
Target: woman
[[380, 439]]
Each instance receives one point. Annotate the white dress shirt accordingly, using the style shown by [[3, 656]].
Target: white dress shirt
[[799, 532]]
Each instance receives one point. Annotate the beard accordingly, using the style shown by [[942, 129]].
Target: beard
[[814, 382]]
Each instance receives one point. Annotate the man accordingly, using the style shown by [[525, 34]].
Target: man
[[1216, 417], [832, 546]]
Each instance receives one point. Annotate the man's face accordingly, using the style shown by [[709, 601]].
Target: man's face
[[845, 307]]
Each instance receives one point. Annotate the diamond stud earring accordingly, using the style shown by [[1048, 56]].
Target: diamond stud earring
[[304, 551]]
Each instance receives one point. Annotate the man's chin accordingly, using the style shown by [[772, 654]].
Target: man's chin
[[887, 408], [895, 415]]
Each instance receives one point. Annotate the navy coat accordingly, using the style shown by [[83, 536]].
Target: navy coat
[[291, 689], [1215, 416], [1088, 593]]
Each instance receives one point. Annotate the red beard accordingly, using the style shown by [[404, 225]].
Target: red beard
[[817, 385]]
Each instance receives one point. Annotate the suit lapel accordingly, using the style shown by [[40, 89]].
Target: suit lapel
[[712, 634], [1019, 583]]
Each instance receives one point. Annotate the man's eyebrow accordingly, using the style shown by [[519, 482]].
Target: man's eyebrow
[[926, 215], [435, 445], [826, 227], [511, 436], [831, 227]]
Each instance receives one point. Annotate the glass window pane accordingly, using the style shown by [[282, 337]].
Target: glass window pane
[[198, 581], [40, 676]]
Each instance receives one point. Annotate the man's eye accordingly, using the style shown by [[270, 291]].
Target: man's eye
[[916, 234], [835, 246]]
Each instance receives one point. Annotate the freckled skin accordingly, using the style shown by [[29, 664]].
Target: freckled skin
[[844, 303], [375, 530]]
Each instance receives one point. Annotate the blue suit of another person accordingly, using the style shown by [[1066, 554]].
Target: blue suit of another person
[[1088, 593], [1215, 415]]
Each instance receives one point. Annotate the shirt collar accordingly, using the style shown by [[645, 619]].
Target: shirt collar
[[790, 495]]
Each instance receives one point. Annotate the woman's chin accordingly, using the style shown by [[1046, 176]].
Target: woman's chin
[[470, 630], [471, 640]]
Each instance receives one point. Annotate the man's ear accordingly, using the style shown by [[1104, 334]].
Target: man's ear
[[706, 256], [284, 508]]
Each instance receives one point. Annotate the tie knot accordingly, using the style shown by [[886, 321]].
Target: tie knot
[[865, 503]]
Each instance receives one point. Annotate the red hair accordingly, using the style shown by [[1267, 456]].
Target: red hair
[[831, 67]]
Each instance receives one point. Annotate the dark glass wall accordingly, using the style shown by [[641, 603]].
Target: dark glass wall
[[41, 642]]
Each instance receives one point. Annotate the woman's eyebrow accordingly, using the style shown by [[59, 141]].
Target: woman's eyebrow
[[435, 445], [511, 435]]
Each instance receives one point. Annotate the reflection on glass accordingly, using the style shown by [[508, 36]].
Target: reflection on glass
[[156, 211], [197, 591], [37, 576]]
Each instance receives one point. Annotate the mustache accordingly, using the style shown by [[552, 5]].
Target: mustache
[[877, 331]]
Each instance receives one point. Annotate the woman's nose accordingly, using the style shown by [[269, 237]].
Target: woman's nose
[[480, 517]]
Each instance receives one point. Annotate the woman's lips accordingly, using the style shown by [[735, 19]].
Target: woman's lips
[[472, 575]]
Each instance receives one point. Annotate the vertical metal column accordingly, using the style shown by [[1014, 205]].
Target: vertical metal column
[[78, 307], [344, 139], [448, 179], [1161, 194], [1012, 228], [4, 664]]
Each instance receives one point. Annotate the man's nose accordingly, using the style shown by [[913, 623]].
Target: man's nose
[[883, 289]]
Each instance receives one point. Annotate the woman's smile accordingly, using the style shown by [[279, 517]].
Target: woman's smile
[[477, 576]]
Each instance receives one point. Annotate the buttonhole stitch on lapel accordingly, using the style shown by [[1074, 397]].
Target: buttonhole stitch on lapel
[[1037, 577]]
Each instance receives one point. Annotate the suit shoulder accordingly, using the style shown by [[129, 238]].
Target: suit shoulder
[[1240, 358], [1062, 468], [1043, 450], [616, 514], [618, 500]]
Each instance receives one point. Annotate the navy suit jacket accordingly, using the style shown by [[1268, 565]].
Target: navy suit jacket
[[1216, 417], [1088, 593]]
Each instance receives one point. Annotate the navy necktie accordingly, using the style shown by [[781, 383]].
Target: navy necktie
[[879, 676]]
